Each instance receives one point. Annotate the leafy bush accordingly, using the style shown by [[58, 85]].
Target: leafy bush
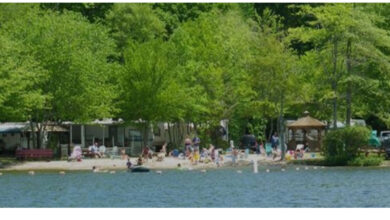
[[342, 145], [366, 161], [338, 160]]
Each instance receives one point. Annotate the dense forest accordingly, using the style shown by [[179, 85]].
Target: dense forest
[[253, 64]]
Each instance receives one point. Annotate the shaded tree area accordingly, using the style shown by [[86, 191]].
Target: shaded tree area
[[253, 64]]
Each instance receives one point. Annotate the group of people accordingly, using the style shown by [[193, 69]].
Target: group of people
[[193, 152], [97, 151]]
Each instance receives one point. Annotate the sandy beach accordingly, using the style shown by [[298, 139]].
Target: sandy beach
[[119, 164]]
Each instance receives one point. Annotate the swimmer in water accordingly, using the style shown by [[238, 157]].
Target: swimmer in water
[[128, 164], [95, 169]]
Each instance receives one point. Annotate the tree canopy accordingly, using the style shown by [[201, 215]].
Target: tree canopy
[[253, 64]]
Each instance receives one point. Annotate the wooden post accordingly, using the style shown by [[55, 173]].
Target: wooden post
[[70, 140], [103, 137], [28, 140], [319, 138], [82, 136], [123, 137], [70, 135]]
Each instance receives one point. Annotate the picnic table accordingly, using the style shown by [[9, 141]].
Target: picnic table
[[34, 154], [87, 153]]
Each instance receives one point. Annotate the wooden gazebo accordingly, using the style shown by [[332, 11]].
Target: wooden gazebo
[[306, 125]]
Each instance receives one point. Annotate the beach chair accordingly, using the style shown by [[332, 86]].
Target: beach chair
[[102, 150], [268, 149], [114, 153]]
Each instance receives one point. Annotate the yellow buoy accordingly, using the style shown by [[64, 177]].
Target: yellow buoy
[[62, 172], [31, 172]]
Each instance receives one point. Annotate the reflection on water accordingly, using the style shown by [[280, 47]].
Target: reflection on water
[[329, 187]]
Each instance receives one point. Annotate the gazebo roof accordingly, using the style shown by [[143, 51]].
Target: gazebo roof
[[306, 122]]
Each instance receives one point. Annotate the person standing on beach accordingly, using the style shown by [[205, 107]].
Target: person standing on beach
[[212, 152], [196, 143], [259, 145], [216, 157], [275, 141], [234, 155], [187, 146]]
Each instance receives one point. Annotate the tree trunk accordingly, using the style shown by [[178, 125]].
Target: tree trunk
[[281, 126], [179, 132], [41, 127], [349, 86], [145, 133], [32, 127], [334, 82], [271, 130], [170, 135], [39, 136], [195, 128]]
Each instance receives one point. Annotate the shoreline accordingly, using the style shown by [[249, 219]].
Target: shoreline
[[169, 163]]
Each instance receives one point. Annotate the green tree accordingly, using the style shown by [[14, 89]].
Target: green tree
[[211, 56], [21, 79], [148, 88], [72, 54], [94, 12], [356, 43], [275, 70], [132, 24]]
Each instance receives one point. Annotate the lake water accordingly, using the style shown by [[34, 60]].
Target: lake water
[[328, 187]]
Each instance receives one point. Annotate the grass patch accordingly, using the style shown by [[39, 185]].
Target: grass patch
[[366, 161], [313, 162], [362, 161], [7, 161]]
